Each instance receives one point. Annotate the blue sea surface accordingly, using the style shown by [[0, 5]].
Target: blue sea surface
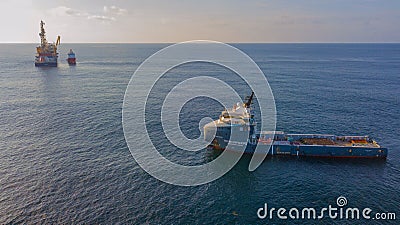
[[64, 159]]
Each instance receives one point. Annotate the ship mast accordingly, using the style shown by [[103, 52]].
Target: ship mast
[[42, 34], [248, 103]]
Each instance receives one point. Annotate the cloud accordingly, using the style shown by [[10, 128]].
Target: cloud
[[65, 11], [102, 18], [114, 10], [108, 14]]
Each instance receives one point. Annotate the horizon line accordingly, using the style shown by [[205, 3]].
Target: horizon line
[[219, 41]]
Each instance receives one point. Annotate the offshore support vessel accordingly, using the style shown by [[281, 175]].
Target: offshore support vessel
[[46, 53], [71, 58], [279, 143]]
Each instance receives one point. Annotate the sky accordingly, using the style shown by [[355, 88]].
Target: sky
[[171, 21]]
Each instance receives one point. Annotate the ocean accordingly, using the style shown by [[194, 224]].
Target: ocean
[[64, 159]]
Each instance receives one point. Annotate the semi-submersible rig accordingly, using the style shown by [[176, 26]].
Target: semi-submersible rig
[[46, 53]]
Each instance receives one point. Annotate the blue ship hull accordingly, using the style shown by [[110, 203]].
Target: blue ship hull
[[309, 150], [46, 64]]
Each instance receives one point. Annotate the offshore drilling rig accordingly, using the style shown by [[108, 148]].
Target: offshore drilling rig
[[46, 53]]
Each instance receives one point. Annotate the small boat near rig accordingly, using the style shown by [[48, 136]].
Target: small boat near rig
[[46, 53], [240, 119], [71, 58]]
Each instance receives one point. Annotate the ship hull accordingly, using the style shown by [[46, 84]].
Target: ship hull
[[46, 60], [71, 61], [308, 150], [46, 64]]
